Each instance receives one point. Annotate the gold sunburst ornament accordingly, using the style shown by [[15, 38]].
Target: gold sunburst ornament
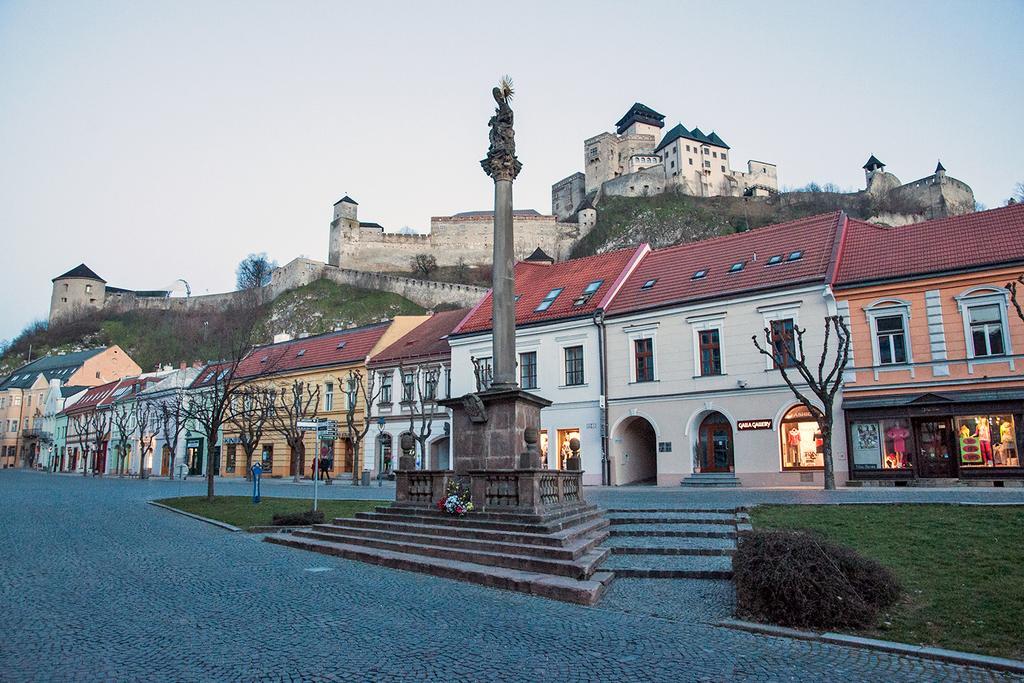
[[505, 86]]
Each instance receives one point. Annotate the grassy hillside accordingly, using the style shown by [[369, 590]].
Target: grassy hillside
[[155, 338], [668, 219]]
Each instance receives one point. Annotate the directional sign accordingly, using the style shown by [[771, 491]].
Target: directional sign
[[308, 425]]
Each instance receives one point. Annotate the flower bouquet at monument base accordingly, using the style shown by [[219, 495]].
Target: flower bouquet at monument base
[[456, 500]]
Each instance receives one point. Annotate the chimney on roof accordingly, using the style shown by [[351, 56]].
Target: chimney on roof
[[197, 363], [303, 335], [282, 337], [182, 365]]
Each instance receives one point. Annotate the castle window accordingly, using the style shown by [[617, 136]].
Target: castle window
[[687, 148], [691, 161], [63, 299], [714, 154], [723, 169], [88, 289], [65, 286], [673, 165]]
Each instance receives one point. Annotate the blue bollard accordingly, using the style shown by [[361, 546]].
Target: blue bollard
[[257, 470]]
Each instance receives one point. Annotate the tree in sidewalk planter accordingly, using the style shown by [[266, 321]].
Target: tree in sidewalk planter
[[822, 382], [361, 392], [98, 427], [293, 402], [172, 417], [249, 414], [122, 418], [80, 425], [145, 422], [419, 397]]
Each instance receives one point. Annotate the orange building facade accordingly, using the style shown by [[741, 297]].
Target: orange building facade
[[935, 386]]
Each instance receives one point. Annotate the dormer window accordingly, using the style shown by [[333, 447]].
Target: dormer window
[[699, 274], [548, 300], [649, 284], [774, 260], [795, 256], [737, 267]]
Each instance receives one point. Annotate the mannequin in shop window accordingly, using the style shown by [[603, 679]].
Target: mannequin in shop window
[[985, 440], [793, 446], [897, 455]]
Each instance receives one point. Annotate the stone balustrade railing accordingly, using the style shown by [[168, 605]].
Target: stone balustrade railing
[[518, 490]]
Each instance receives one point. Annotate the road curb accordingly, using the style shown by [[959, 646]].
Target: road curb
[[923, 652], [215, 522]]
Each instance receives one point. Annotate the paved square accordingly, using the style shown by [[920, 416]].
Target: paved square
[[96, 585]]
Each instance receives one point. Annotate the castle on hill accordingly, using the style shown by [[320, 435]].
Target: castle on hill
[[638, 161]]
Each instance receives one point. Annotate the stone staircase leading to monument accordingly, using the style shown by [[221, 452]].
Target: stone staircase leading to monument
[[556, 555], [673, 543]]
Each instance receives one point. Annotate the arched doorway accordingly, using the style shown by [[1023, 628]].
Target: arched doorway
[[714, 444], [440, 454], [384, 454], [637, 453]]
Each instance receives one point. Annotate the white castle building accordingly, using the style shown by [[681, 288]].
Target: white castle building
[[637, 160]]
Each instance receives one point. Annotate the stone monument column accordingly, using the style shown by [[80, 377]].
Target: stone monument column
[[502, 166]]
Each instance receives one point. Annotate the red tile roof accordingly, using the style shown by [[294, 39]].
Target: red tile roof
[[208, 375], [426, 341], [534, 281], [873, 252], [673, 268], [332, 348], [93, 397]]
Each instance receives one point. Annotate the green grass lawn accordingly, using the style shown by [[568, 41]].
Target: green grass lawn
[[240, 510], [962, 567]]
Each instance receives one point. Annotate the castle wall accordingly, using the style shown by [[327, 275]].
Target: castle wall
[[645, 183], [567, 194], [428, 294]]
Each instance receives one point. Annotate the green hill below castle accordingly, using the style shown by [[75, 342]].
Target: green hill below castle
[[154, 338]]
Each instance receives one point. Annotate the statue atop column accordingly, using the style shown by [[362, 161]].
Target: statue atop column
[[501, 162]]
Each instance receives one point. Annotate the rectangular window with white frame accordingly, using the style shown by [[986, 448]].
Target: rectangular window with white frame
[[528, 370], [643, 359], [890, 339], [328, 396], [987, 333], [984, 311], [574, 366]]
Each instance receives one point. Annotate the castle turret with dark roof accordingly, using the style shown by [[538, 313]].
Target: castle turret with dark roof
[[77, 291]]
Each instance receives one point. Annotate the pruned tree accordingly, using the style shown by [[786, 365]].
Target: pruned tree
[[145, 414], [1012, 288], [123, 426], [172, 416], [361, 392], [821, 382], [219, 383], [254, 271], [80, 426], [98, 426], [424, 264], [421, 401], [248, 415], [299, 400]]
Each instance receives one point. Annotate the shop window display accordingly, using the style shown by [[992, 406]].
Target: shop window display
[[987, 441], [543, 445], [564, 436], [802, 443], [882, 444]]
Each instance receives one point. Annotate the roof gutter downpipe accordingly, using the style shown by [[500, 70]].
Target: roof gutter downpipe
[[606, 473]]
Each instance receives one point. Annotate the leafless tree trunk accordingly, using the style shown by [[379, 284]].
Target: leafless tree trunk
[[123, 419], [172, 422], [1012, 287], [145, 418], [822, 383], [422, 405], [249, 415], [297, 401], [360, 393], [80, 424]]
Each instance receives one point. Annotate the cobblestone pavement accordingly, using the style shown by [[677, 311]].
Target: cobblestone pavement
[[96, 585]]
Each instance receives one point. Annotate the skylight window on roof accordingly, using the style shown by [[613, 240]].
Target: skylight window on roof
[[264, 359], [795, 256], [341, 345], [223, 374], [699, 274], [301, 353], [517, 298], [774, 260], [593, 287], [737, 267], [649, 284], [548, 300]]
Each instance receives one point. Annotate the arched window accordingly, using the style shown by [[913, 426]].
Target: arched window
[[801, 440]]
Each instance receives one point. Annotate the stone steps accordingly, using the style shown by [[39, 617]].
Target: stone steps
[[438, 527], [670, 566], [689, 543], [711, 480], [577, 568], [677, 530], [590, 535], [514, 523], [582, 592]]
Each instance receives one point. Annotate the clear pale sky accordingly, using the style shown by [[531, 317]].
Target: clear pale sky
[[158, 140]]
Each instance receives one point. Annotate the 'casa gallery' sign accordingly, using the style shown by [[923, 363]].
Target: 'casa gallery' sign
[[747, 425]]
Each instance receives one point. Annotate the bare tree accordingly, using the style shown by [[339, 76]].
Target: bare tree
[[172, 417], [219, 383], [98, 426], [123, 422], [1018, 193], [424, 264], [145, 419], [249, 414], [361, 392], [1012, 288], [80, 426], [421, 400], [298, 401], [823, 383], [254, 271]]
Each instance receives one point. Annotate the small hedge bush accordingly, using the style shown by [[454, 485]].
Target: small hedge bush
[[299, 518], [800, 579]]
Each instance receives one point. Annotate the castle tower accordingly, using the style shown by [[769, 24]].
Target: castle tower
[[640, 120], [77, 291], [344, 227], [940, 171], [872, 165]]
